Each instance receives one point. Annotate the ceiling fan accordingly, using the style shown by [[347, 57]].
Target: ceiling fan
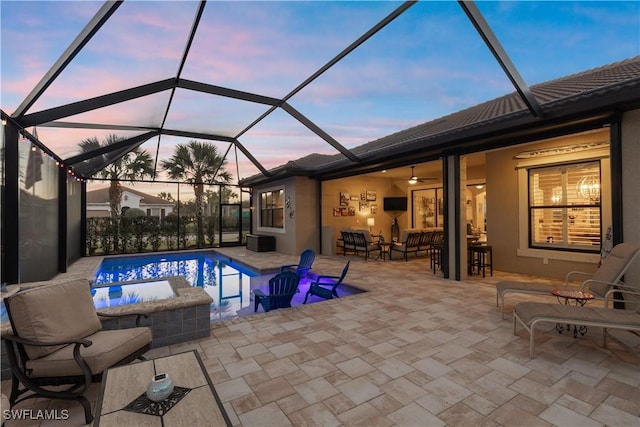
[[414, 179]]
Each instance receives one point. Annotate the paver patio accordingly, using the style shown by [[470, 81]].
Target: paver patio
[[417, 350]]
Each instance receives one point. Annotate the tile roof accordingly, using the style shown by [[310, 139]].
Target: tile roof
[[605, 87]]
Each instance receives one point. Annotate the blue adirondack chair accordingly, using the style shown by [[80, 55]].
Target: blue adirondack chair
[[326, 286], [282, 288], [303, 266]]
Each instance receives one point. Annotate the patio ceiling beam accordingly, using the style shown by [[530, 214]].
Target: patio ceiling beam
[[68, 55], [108, 159], [52, 114], [492, 42], [183, 60], [124, 144], [253, 160], [197, 135], [97, 126], [226, 92], [363, 38], [322, 134], [372, 31]]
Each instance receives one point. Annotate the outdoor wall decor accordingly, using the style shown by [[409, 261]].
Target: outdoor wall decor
[[371, 195], [344, 198]]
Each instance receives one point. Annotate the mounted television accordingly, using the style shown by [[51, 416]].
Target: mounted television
[[395, 203]]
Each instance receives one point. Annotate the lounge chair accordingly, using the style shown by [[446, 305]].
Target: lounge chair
[[326, 286], [530, 314], [282, 288], [303, 266], [608, 274], [58, 340]]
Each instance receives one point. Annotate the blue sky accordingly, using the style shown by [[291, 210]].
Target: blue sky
[[427, 63]]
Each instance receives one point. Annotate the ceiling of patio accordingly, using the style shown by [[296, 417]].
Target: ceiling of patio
[[238, 61]]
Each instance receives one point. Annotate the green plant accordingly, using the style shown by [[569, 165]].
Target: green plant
[[126, 237], [197, 163], [92, 236], [210, 229], [169, 231], [139, 226], [154, 232]]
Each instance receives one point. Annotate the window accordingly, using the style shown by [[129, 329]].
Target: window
[[564, 207], [272, 209]]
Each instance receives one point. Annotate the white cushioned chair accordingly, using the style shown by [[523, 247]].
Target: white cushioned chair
[[58, 339]]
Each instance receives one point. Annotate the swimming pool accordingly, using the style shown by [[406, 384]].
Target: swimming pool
[[228, 284]]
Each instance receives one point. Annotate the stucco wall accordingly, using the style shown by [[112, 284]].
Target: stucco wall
[[301, 223], [503, 229], [631, 186], [355, 186]]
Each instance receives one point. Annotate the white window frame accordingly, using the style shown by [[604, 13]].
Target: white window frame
[[259, 210]]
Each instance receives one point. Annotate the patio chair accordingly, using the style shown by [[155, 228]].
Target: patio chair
[[303, 266], [58, 340], [348, 243], [530, 314], [608, 274], [282, 287], [410, 242], [326, 286], [364, 243]]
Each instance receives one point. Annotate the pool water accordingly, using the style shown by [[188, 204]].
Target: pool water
[[110, 296], [229, 285]]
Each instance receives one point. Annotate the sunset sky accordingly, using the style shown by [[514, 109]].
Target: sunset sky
[[427, 63]]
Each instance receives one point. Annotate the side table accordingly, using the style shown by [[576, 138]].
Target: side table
[[385, 247], [578, 298]]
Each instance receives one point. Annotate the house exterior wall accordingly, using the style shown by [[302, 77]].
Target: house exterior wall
[[355, 186], [630, 187], [504, 211], [128, 200], [300, 230]]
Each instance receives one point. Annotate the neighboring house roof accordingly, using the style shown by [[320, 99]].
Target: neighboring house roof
[[102, 196], [596, 91]]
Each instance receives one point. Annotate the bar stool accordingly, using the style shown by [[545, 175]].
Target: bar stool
[[480, 257], [436, 252]]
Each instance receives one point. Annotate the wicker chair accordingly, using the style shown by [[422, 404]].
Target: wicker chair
[[58, 340]]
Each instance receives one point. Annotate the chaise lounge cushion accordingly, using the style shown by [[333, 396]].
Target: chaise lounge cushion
[[33, 318], [108, 348], [530, 311], [618, 258]]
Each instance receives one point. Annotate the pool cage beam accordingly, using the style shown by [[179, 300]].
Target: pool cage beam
[[98, 20]]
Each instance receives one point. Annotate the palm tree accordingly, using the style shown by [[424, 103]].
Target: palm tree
[[197, 163], [136, 164]]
